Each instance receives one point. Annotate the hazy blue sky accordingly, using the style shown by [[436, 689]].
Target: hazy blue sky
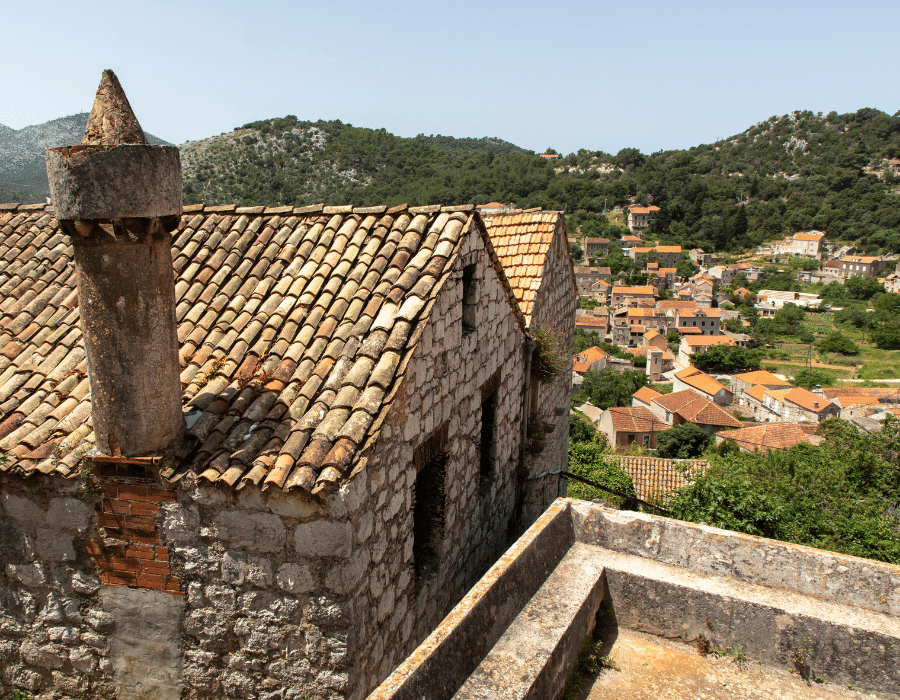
[[564, 74]]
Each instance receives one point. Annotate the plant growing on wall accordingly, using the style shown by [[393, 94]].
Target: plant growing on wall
[[552, 360]]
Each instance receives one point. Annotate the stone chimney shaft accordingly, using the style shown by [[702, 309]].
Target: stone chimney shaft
[[119, 199]]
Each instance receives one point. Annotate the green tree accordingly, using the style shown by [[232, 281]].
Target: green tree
[[838, 342], [727, 359], [576, 251], [683, 441], [886, 338], [809, 378], [863, 287], [608, 387], [588, 460]]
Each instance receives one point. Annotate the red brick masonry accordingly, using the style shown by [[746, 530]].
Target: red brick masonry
[[131, 553]]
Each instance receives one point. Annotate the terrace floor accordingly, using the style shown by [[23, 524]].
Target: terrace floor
[[645, 667]]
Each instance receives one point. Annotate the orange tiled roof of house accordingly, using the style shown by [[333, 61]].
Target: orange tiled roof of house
[[590, 321], [637, 209], [600, 241], [689, 330], [295, 325], [631, 239], [694, 408], [642, 312], [831, 263], [646, 394], [644, 289], [866, 259], [677, 304], [635, 419], [642, 351], [766, 437], [710, 340], [757, 391], [652, 266], [669, 270], [701, 381], [641, 250], [668, 249], [581, 367], [742, 292], [522, 240], [652, 334], [593, 354], [857, 400], [638, 329], [809, 236], [655, 477], [801, 397], [761, 376], [883, 392]]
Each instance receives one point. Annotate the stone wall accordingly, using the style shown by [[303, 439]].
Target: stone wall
[[398, 602], [549, 410]]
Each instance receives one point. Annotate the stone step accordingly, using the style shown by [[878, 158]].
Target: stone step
[[530, 660], [840, 643]]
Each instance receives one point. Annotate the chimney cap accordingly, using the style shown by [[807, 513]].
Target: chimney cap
[[112, 121]]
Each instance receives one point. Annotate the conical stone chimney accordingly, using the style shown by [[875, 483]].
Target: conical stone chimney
[[119, 198]]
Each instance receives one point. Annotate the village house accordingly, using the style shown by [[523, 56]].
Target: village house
[[639, 217], [633, 296], [592, 324], [705, 320], [628, 427], [596, 246], [686, 406], [790, 404], [708, 387], [892, 281], [585, 277], [861, 266], [807, 244], [745, 380], [292, 438]]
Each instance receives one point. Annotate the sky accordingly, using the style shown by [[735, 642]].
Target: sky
[[565, 74]]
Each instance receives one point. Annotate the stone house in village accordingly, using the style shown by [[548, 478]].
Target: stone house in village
[[275, 470]]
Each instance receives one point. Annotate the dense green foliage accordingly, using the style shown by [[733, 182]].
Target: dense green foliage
[[684, 441], [609, 387], [588, 459], [838, 342], [789, 173], [843, 495], [727, 359]]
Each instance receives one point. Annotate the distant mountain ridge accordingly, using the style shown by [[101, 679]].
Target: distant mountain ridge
[[23, 175]]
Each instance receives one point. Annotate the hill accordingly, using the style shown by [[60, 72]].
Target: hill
[[23, 175]]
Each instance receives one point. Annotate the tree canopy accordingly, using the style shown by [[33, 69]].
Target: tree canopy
[[609, 387]]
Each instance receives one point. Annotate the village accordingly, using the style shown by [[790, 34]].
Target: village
[[660, 326]]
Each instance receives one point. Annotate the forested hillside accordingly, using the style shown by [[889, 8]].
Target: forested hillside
[[789, 173]]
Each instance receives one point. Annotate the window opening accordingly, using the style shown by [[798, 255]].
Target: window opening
[[469, 299], [429, 510]]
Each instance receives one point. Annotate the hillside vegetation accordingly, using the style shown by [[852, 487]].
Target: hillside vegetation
[[23, 170]]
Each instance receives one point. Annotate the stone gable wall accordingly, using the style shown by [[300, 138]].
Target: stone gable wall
[[394, 609], [555, 310]]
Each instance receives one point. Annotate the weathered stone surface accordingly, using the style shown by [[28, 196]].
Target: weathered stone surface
[[260, 532], [180, 523], [112, 121], [323, 539], [295, 578], [69, 514]]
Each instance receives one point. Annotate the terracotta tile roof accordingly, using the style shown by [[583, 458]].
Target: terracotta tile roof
[[655, 477], [652, 266], [857, 400], [766, 437], [581, 367], [809, 236], [641, 250], [761, 377], [593, 354], [710, 340], [668, 249], [801, 397], [635, 419], [866, 259], [645, 289], [642, 351], [689, 330], [646, 394], [757, 391], [638, 329], [642, 312], [590, 321], [669, 270], [700, 381], [677, 304], [694, 408], [652, 334], [883, 392], [598, 241], [295, 328], [522, 241], [631, 239]]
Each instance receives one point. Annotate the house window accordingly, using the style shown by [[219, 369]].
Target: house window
[[646, 440], [487, 449], [429, 509], [469, 299]]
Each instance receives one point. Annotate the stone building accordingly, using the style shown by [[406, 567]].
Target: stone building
[[352, 390]]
